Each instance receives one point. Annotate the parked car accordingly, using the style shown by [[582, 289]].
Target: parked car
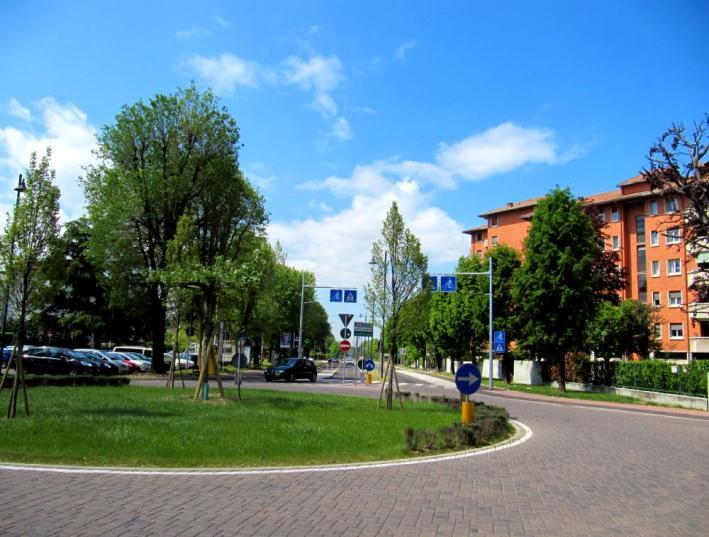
[[102, 356], [291, 369], [59, 361], [147, 352], [143, 362], [133, 366], [7, 352], [184, 360]]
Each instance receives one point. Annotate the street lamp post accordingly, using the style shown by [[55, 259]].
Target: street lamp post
[[20, 188]]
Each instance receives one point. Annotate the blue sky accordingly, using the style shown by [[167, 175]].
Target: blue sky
[[450, 108]]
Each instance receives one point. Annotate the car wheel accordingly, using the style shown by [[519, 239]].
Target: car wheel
[[291, 377], [269, 379], [313, 377]]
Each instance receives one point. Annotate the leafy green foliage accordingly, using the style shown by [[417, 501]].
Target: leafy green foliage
[[554, 287], [657, 375], [618, 330]]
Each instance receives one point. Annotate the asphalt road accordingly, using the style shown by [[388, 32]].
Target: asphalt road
[[587, 470]]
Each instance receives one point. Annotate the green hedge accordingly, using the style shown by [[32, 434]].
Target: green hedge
[[657, 375], [72, 380]]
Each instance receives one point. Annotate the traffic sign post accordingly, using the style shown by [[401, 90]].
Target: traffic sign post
[[345, 345], [499, 342], [467, 380], [345, 333]]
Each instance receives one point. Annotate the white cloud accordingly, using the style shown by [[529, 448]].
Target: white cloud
[[17, 110], [326, 105], [341, 129], [318, 73], [336, 247], [222, 22], [404, 48], [194, 32], [497, 150], [67, 131], [224, 73]]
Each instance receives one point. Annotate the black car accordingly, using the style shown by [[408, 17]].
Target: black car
[[59, 361], [291, 369]]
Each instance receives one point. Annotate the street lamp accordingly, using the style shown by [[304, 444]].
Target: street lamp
[[20, 188]]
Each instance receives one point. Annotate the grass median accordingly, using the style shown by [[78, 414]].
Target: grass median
[[155, 427]]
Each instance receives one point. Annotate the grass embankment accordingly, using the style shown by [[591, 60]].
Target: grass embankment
[[554, 392], [156, 427]]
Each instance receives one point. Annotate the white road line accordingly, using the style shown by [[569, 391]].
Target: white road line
[[523, 434]]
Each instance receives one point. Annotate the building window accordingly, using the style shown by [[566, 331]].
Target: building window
[[675, 299], [602, 215], [676, 331], [654, 207], [480, 254], [655, 269], [656, 299], [671, 205], [640, 229], [642, 275], [494, 240], [493, 221], [654, 238], [673, 235], [615, 242], [479, 236], [658, 331], [615, 214], [674, 267]]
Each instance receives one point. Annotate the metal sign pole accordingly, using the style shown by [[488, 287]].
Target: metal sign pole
[[490, 342], [302, 303]]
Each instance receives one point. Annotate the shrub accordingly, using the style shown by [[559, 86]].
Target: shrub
[[657, 375], [490, 423]]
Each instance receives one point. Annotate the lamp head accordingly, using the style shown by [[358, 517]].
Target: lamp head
[[21, 186]]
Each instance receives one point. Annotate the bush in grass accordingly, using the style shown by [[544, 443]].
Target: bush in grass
[[490, 423]]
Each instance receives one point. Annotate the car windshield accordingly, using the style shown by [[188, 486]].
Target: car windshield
[[286, 361], [117, 356], [77, 355]]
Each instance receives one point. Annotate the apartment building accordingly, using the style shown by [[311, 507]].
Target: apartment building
[[644, 226]]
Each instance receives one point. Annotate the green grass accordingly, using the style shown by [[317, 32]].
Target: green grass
[[554, 392], [156, 427]]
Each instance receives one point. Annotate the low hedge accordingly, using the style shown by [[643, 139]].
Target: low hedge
[[657, 375], [72, 380], [491, 424]]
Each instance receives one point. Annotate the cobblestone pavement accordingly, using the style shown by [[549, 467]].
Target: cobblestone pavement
[[586, 471]]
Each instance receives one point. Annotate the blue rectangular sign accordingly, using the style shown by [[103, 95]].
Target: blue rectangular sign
[[335, 295], [499, 344], [350, 295], [449, 284]]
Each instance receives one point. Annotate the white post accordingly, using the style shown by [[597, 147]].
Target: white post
[[302, 302], [491, 325]]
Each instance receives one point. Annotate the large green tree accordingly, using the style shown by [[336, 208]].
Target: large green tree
[[156, 162], [458, 321], [26, 245], [554, 287], [398, 269]]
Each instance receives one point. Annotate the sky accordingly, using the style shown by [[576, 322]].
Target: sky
[[448, 108]]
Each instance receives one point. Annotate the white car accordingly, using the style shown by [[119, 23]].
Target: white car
[[184, 360]]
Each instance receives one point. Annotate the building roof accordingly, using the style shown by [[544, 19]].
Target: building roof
[[472, 230], [633, 181], [513, 206]]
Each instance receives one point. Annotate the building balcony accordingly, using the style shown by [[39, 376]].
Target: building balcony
[[699, 344], [699, 311]]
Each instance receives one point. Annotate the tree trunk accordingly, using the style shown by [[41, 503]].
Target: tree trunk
[[157, 316], [562, 373], [206, 352]]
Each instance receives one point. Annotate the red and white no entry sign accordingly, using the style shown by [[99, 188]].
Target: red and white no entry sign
[[345, 345]]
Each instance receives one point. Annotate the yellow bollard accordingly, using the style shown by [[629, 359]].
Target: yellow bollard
[[467, 412], [369, 378]]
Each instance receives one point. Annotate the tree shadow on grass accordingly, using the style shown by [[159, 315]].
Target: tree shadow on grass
[[120, 411]]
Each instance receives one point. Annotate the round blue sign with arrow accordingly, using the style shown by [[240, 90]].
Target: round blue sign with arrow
[[467, 379], [369, 364]]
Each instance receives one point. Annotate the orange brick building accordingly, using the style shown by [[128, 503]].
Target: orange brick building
[[644, 226]]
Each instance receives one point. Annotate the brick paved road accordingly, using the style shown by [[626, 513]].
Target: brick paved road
[[586, 471]]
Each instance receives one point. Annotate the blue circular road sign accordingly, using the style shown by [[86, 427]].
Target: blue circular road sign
[[369, 364], [467, 379]]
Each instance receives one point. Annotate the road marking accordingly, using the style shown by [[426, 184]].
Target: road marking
[[523, 434]]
